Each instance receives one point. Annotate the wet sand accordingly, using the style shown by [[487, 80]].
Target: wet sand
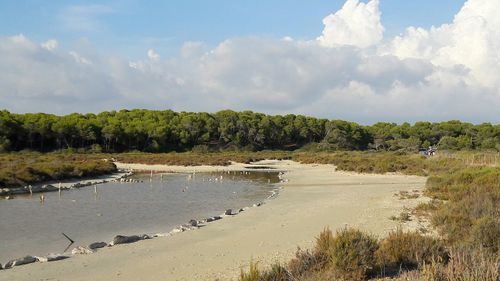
[[314, 197]]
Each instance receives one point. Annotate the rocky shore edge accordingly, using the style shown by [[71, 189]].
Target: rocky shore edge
[[120, 176]]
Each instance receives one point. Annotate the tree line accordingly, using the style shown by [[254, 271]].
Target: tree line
[[167, 130]]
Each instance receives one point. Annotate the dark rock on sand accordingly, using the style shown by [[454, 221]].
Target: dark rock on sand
[[56, 257], [97, 245], [193, 223], [52, 257], [211, 219], [228, 212], [120, 239], [20, 261]]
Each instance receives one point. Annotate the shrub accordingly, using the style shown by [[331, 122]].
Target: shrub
[[252, 275], [408, 250], [304, 263], [324, 245], [486, 233], [464, 264], [353, 253], [277, 272]]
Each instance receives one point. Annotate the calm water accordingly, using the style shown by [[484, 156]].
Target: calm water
[[29, 227]]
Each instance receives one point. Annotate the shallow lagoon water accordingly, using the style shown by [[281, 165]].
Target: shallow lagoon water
[[28, 227]]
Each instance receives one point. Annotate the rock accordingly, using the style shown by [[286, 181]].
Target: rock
[[176, 230], [97, 245], [20, 261], [193, 223], [216, 218], [228, 212], [56, 257], [120, 239], [80, 250], [48, 187], [52, 257], [162, 235], [41, 259]]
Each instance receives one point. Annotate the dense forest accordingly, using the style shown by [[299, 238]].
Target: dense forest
[[163, 131]]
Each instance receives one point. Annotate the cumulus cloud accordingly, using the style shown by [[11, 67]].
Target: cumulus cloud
[[445, 72], [356, 24], [472, 40]]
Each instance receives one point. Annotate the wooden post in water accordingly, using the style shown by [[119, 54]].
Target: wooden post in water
[[31, 189], [151, 176], [95, 188]]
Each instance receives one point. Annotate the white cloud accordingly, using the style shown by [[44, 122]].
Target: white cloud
[[471, 40], [356, 24], [50, 45], [445, 72], [152, 55], [79, 58]]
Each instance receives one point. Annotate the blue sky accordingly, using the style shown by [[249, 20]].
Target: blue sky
[[130, 27]]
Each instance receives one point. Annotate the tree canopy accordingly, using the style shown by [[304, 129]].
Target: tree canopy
[[167, 130]]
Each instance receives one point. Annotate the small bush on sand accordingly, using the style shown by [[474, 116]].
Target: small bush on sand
[[252, 275], [304, 262], [324, 245], [277, 272], [408, 250], [353, 254], [486, 233], [464, 265]]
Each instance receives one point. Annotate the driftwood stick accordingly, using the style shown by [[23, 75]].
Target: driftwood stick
[[70, 240]]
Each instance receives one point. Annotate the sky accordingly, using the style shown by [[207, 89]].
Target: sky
[[365, 61]]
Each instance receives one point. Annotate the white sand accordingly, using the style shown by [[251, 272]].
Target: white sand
[[315, 197]]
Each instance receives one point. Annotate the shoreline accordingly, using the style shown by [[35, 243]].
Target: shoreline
[[316, 196], [121, 176], [52, 186]]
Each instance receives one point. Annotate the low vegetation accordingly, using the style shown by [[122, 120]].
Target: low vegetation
[[465, 192], [354, 255], [21, 169]]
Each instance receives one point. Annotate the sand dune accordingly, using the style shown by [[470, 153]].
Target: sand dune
[[315, 197]]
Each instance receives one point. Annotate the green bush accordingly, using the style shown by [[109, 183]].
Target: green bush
[[486, 233], [353, 253]]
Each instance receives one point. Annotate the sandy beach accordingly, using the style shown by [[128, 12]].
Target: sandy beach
[[313, 197]]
